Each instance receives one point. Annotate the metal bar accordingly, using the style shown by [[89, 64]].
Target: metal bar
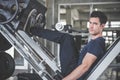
[[28, 52], [39, 50], [90, 3]]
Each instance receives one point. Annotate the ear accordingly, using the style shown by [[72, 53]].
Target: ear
[[103, 25]]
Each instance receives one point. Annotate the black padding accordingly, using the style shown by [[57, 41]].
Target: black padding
[[28, 76], [4, 44], [7, 65]]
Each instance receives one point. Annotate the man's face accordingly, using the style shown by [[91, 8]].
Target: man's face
[[95, 28]]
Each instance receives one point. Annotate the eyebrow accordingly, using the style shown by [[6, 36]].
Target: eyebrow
[[93, 22]]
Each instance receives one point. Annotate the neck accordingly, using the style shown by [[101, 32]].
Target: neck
[[96, 36]]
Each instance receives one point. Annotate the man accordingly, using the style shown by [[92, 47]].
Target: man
[[93, 51], [76, 65]]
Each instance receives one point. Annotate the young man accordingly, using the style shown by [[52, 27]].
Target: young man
[[76, 65], [93, 51]]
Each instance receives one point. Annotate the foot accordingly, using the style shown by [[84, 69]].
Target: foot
[[31, 21]]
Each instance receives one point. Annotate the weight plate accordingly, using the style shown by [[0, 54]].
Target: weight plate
[[8, 10]]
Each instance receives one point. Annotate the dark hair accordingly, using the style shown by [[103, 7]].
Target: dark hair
[[100, 15]]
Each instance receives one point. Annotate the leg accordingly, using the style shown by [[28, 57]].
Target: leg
[[68, 54], [54, 36], [68, 51]]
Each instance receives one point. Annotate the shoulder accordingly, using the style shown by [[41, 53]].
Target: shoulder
[[98, 40]]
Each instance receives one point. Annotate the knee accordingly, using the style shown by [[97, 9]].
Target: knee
[[68, 37]]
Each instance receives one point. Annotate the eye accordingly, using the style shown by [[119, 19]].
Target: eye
[[90, 22], [95, 23]]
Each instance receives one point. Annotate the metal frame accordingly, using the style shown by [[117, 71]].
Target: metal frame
[[32, 52]]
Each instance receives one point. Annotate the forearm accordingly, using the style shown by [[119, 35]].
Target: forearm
[[88, 60], [77, 73]]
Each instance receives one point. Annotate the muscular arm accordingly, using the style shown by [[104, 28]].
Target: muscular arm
[[88, 60]]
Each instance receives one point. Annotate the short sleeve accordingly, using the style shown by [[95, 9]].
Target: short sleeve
[[95, 47]]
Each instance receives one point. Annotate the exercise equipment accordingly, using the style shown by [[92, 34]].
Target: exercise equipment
[[7, 65], [8, 10], [5, 45], [36, 54], [42, 61], [67, 28], [28, 76]]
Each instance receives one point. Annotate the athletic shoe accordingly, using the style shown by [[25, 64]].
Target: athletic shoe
[[40, 20], [31, 21]]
